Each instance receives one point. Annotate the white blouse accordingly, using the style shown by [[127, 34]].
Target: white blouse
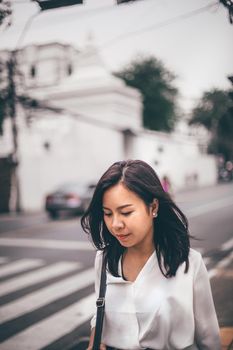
[[157, 312]]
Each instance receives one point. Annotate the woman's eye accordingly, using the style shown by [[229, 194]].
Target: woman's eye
[[107, 214], [127, 213]]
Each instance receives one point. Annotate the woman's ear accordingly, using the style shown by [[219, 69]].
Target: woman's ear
[[155, 206]]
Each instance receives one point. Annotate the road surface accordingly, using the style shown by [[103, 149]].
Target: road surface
[[46, 275]]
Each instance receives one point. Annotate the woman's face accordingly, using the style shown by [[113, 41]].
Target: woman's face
[[128, 218]]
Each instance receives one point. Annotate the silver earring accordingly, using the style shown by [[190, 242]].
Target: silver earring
[[155, 215]]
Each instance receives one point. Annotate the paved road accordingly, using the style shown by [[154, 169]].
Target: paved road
[[46, 275]]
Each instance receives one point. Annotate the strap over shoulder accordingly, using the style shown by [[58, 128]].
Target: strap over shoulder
[[100, 303]]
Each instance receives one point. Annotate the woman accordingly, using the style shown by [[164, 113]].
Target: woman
[[158, 294]]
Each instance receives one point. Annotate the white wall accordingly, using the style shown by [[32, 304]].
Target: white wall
[[179, 159], [78, 153]]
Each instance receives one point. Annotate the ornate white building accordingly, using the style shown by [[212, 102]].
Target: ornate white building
[[100, 122]]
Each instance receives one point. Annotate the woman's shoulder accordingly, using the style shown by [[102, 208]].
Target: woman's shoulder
[[99, 253], [98, 258], [195, 258], [194, 254], [98, 261]]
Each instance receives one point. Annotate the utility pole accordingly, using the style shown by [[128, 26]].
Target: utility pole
[[14, 157]]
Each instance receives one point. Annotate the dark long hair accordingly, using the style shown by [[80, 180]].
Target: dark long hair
[[171, 236]]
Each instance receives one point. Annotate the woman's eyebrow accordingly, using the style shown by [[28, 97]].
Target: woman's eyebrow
[[120, 207]]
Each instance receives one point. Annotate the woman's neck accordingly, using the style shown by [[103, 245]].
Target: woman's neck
[[141, 251]]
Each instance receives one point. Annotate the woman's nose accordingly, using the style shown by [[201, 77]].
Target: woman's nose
[[117, 223]]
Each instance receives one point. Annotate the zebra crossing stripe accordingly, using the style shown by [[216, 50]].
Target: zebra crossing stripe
[[54, 327], [43, 274], [19, 266], [46, 295]]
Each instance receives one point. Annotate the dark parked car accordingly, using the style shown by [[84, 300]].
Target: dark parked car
[[72, 198]]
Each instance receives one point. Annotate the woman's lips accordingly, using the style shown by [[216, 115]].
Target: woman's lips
[[123, 237]]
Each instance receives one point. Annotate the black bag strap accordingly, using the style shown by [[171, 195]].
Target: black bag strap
[[100, 303]]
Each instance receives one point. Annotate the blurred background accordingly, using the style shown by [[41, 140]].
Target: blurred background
[[82, 85]]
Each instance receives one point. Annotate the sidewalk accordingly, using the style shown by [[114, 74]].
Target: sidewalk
[[13, 221]]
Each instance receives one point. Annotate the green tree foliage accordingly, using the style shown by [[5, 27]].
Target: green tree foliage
[[155, 83], [214, 111]]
